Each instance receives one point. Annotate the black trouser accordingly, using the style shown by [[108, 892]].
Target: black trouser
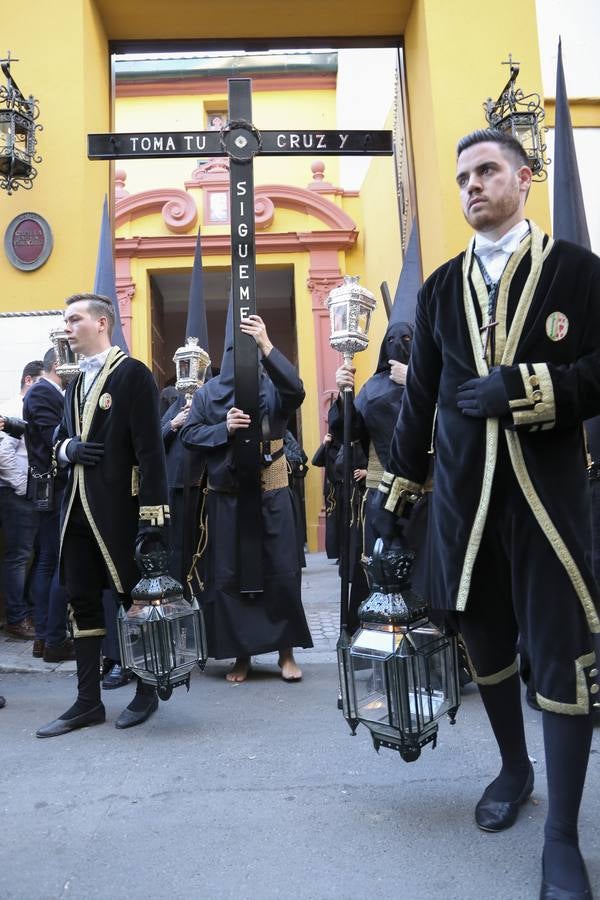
[[85, 575]]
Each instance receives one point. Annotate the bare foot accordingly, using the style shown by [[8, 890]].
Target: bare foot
[[240, 670], [290, 670]]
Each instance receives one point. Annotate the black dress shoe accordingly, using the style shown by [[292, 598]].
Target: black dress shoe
[[38, 648], [116, 677], [553, 892], [131, 717], [94, 716], [496, 815]]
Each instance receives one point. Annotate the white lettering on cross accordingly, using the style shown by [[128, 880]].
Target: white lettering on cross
[[243, 229], [158, 143], [281, 140], [244, 292], [241, 189], [243, 251], [170, 143], [295, 141], [343, 139], [134, 141], [244, 311], [243, 271], [321, 142], [146, 143], [188, 141]]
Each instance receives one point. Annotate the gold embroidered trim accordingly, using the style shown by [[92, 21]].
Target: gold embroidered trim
[[548, 528], [114, 359], [497, 677], [402, 491], [135, 481], [83, 632], [546, 387], [511, 267], [102, 546], [156, 515], [539, 254], [582, 704], [375, 471], [491, 449]]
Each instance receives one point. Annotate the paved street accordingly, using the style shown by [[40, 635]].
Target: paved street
[[257, 792]]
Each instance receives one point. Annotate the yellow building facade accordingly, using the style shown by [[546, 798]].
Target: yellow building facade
[[307, 236]]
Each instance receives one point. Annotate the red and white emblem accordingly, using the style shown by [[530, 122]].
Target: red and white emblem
[[557, 326], [105, 401]]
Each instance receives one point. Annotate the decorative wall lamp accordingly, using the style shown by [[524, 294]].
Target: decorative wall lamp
[[17, 134], [520, 115]]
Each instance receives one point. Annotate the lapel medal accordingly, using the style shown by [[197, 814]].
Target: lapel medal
[[557, 326], [105, 401]]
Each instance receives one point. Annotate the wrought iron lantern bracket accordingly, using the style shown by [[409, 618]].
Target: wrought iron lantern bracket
[[18, 129], [521, 115]]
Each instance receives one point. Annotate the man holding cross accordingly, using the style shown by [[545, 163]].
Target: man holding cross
[[241, 624], [506, 363]]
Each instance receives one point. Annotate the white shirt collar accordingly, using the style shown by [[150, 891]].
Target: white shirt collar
[[54, 384], [507, 244]]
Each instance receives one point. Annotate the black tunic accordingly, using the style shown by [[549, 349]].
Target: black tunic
[[548, 350], [238, 625], [129, 482]]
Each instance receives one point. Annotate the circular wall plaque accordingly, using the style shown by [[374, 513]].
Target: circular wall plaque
[[28, 241]]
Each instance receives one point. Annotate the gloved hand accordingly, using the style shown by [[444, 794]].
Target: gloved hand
[[483, 398], [87, 453], [151, 537]]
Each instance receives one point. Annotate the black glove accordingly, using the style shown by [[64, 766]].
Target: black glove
[[483, 398], [151, 537], [87, 453]]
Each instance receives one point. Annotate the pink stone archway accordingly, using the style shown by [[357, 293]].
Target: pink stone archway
[[180, 212]]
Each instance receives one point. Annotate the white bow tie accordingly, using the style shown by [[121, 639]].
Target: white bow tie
[[89, 364], [506, 244]]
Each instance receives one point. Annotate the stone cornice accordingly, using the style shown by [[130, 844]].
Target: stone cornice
[[220, 244]]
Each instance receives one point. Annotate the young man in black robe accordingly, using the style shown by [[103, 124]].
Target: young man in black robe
[[506, 349], [116, 497], [237, 625]]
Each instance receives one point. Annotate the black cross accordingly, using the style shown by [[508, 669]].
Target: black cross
[[241, 142]]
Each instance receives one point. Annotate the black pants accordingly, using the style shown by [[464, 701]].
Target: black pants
[[85, 575]]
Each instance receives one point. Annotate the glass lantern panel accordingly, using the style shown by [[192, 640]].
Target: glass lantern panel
[[370, 687], [423, 670], [364, 321], [162, 639], [184, 368], [339, 318], [346, 686]]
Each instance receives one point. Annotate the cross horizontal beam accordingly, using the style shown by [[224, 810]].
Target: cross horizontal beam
[[156, 145]]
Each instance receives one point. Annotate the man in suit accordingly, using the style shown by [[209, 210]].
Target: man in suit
[[116, 497], [43, 410]]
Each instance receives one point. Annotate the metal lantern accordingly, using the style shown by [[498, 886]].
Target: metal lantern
[[17, 134], [522, 117], [399, 673], [162, 635], [68, 361], [191, 363], [350, 308]]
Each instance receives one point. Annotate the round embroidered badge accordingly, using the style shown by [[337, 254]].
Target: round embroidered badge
[[557, 326], [105, 401]]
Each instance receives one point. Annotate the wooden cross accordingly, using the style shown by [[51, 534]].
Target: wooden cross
[[241, 142]]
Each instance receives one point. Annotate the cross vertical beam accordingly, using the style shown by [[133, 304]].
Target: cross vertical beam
[[243, 281]]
